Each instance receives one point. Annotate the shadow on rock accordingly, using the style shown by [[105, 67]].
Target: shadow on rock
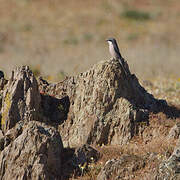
[[54, 109], [75, 161], [141, 99], [170, 111]]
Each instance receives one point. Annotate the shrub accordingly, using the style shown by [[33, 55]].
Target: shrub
[[136, 15]]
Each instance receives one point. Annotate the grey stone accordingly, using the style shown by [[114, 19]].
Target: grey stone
[[35, 154], [122, 168], [175, 131], [21, 98]]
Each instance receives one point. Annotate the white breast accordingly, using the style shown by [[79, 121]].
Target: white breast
[[111, 50]]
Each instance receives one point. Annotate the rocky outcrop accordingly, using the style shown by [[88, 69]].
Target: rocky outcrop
[[30, 149], [21, 98], [106, 107], [1, 141], [100, 106], [35, 154], [122, 168]]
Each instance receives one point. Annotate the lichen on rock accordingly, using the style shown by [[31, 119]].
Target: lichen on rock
[[21, 98], [7, 104]]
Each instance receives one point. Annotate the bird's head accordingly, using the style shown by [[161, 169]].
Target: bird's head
[[111, 41]]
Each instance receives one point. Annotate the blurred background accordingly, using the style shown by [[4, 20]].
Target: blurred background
[[66, 37]]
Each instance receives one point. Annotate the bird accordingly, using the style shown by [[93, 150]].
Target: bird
[[115, 53]]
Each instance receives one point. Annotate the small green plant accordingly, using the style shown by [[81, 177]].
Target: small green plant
[[133, 36], [82, 167], [61, 75], [61, 107], [106, 5], [170, 89], [27, 27], [136, 15], [177, 86], [101, 22], [71, 41], [87, 37]]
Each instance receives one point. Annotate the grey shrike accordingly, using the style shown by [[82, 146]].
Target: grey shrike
[[114, 51]]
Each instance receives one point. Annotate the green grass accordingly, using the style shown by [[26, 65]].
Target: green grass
[[27, 27], [61, 75], [87, 37], [132, 36], [71, 41], [136, 15]]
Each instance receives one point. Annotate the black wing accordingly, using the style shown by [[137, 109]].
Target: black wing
[[116, 48], [120, 58]]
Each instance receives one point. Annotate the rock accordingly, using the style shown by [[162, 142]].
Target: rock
[[55, 110], [77, 160], [1, 141], [58, 90], [35, 154], [174, 132], [54, 105], [29, 149], [21, 98], [3, 82], [121, 168], [1, 134], [100, 106], [84, 155], [1, 74], [106, 107], [13, 133], [170, 168]]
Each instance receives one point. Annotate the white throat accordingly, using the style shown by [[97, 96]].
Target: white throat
[[111, 50], [110, 43]]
